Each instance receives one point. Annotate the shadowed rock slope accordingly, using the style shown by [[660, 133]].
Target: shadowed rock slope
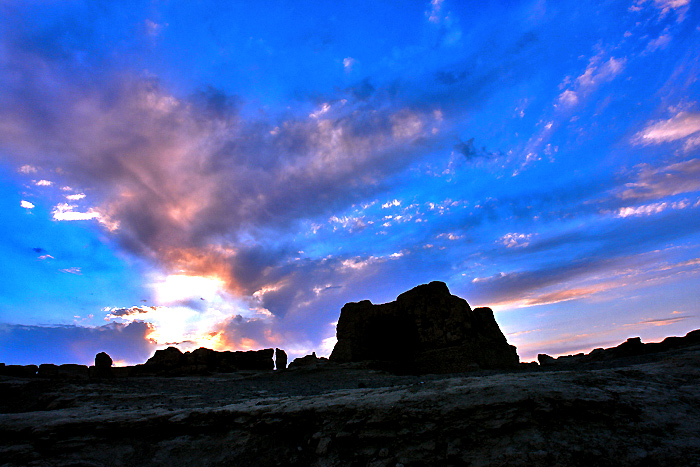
[[426, 330]]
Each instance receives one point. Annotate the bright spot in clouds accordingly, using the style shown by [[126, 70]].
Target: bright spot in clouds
[[177, 288]]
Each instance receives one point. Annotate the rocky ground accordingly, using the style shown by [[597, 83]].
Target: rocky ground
[[642, 411]]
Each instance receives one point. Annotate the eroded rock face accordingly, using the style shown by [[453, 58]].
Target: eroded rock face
[[426, 330]]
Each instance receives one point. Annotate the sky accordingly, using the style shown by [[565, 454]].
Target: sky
[[229, 174]]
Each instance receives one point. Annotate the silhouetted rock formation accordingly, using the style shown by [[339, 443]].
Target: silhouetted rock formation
[[632, 347], [426, 330], [103, 366], [308, 361], [21, 371], [280, 359], [172, 361], [66, 371]]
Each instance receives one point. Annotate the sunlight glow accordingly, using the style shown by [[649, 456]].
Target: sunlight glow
[[180, 287]]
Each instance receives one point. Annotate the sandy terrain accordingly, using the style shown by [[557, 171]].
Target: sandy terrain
[[635, 412]]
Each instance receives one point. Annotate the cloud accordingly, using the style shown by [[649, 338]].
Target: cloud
[[349, 63], [26, 204], [659, 182], [26, 345], [680, 126], [153, 28], [660, 321], [515, 240], [183, 180], [434, 13], [649, 209], [659, 43], [27, 169], [64, 212], [595, 74], [73, 270], [666, 5]]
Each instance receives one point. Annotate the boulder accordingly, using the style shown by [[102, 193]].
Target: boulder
[[426, 330]]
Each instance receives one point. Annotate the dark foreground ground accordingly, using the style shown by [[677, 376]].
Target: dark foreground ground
[[642, 412]]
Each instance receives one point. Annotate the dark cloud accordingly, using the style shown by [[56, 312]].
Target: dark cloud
[[362, 91], [24, 345], [467, 149]]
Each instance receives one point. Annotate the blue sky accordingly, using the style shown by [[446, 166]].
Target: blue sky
[[229, 174]]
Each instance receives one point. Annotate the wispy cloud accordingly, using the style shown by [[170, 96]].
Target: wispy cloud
[[668, 180], [659, 321], [680, 126]]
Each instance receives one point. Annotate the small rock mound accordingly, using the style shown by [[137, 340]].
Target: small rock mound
[[426, 330]]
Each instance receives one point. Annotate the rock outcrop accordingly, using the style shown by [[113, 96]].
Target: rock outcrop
[[65, 371], [172, 361], [280, 359], [103, 365], [632, 347], [308, 361], [426, 330]]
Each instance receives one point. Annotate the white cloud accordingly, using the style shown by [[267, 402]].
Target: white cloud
[[594, 74], [681, 126], [27, 169], [26, 204], [515, 240], [434, 13], [659, 43], [348, 63], [389, 204], [64, 212], [667, 5], [324, 108], [44, 183], [649, 209], [450, 236], [568, 98], [153, 28], [75, 271], [406, 125], [75, 197]]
